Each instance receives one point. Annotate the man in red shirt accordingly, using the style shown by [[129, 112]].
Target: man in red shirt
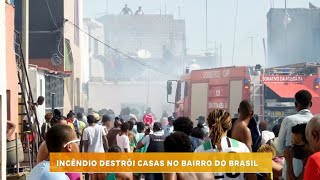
[[148, 117], [312, 170]]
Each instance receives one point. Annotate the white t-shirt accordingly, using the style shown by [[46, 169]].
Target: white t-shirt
[[42, 172], [123, 142], [93, 134], [227, 145]]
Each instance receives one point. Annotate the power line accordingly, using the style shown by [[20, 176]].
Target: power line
[[234, 32], [53, 20], [121, 53]]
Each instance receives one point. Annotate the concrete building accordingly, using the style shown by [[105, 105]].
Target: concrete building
[[55, 45], [155, 40], [11, 68], [95, 60], [3, 75], [129, 34], [152, 40], [293, 37], [8, 79]]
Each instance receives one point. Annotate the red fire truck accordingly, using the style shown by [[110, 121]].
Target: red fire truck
[[272, 94]]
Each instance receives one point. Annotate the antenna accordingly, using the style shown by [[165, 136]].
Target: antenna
[[165, 7], [107, 5]]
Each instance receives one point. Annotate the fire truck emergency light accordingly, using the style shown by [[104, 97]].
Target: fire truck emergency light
[[246, 83], [317, 83]]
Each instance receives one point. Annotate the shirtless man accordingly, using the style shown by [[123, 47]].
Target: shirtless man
[[240, 130]]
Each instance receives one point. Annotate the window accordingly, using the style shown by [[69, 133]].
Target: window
[[8, 105]]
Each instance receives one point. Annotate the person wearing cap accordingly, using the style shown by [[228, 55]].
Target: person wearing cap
[[155, 143], [149, 138], [202, 120], [96, 118], [169, 129]]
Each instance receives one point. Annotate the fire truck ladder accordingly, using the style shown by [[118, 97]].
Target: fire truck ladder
[[257, 96], [27, 103]]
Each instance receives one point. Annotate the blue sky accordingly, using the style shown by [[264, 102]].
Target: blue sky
[[251, 22]]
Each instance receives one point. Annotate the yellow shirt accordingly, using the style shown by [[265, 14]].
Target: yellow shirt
[[71, 125]]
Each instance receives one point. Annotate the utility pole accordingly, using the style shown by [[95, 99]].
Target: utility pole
[[265, 51], [220, 54], [107, 5], [25, 31], [285, 4], [165, 7], [285, 30], [206, 25], [251, 37]]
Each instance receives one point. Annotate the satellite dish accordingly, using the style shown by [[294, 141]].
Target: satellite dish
[[194, 67], [144, 54]]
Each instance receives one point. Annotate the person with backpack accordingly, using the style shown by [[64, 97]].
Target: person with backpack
[[155, 143]]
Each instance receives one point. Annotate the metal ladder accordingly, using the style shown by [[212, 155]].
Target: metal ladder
[[257, 97], [27, 103]]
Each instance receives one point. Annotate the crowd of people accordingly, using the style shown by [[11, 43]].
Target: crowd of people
[[294, 142]]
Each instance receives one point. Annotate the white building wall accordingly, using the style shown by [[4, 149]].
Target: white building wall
[[41, 85], [3, 104], [37, 83], [84, 46]]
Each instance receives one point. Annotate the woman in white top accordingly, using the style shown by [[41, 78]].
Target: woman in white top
[[219, 122]]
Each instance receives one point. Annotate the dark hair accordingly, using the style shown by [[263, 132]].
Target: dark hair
[[276, 129], [125, 126], [183, 124], [303, 98], [69, 115], [114, 148], [57, 136], [105, 118], [48, 116], [117, 123], [40, 99], [140, 127], [178, 142], [263, 125], [219, 122], [79, 115], [56, 112], [157, 126], [245, 108], [300, 129], [90, 119], [131, 125], [198, 132], [54, 120]]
